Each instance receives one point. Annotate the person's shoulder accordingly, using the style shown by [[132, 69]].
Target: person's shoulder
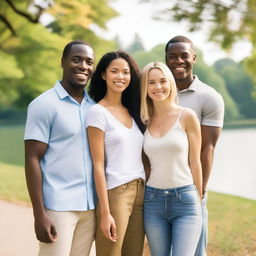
[[208, 94], [213, 107], [189, 117], [207, 89], [188, 113], [45, 99], [96, 116], [96, 110]]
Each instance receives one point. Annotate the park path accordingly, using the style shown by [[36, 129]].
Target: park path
[[17, 236]]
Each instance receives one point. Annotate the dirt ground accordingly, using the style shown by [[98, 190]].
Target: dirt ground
[[17, 236], [16, 230]]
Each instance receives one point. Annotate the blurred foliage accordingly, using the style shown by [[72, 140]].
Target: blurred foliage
[[229, 21], [32, 36], [239, 85], [208, 75], [136, 45], [144, 57], [9, 72]]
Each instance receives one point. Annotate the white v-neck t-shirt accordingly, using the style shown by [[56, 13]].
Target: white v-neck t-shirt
[[123, 147]]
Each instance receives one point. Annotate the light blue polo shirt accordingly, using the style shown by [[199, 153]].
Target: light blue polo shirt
[[58, 120]]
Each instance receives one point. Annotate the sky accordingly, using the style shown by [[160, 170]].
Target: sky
[[138, 18]]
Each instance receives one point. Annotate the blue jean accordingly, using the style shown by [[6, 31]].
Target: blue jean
[[202, 244], [172, 220]]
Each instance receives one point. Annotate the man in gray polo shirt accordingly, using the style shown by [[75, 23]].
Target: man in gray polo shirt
[[208, 106]]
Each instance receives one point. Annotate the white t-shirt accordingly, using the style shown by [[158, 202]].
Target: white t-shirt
[[123, 147]]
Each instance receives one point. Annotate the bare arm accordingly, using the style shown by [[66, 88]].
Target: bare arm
[[192, 128], [146, 165], [210, 136], [34, 151], [96, 141]]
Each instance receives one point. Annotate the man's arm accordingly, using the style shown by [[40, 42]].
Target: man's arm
[[210, 137], [146, 164], [34, 151]]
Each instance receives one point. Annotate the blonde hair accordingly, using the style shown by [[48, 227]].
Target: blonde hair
[[146, 105]]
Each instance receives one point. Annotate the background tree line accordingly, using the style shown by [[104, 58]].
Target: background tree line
[[32, 36], [34, 32]]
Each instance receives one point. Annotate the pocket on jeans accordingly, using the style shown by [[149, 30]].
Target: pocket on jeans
[[148, 196], [189, 197]]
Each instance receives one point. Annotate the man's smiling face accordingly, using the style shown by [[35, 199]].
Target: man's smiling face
[[180, 58]]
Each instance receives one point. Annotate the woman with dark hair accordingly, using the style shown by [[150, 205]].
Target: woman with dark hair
[[116, 145]]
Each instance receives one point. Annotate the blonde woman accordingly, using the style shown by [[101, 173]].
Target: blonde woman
[[172, 142]]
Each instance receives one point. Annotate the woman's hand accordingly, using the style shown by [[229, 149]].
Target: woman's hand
[[108, 227], [96, 141]]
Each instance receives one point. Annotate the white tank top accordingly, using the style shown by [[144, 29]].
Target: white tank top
[[168, 156]]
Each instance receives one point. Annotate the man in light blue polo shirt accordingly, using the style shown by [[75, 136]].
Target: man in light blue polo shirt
[[57, 159], [208, 105]]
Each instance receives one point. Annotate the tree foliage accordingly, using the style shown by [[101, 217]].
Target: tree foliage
[[66, 14], [136, 45], [31, 43], [208, 75], [229, 21], [144, 57], [239, 84]]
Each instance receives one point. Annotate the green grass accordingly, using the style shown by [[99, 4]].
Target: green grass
[[232, 225], [12, 177], [11, 144], [13, 183]]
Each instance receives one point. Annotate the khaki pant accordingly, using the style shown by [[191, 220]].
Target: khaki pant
[[75, 234], [126, 207]]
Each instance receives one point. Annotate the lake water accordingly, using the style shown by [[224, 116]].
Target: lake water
[[234, 168]]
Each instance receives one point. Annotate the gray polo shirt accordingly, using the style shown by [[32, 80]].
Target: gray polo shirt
[[207, 103]]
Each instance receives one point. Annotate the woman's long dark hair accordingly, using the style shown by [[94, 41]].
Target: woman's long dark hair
[[130, 96]]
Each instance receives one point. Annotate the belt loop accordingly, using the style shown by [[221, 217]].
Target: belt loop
[[176, 192]]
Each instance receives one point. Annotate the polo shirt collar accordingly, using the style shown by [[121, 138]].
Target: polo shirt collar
[[62, 93], [193, 86]]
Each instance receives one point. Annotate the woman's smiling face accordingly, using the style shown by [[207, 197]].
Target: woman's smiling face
[[117, 75], [159, 87]]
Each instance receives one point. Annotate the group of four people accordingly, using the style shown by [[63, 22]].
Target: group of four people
[[144, 150]]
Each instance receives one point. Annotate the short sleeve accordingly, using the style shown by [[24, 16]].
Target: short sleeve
[[96, 118], [213, 111], [38, 123]]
